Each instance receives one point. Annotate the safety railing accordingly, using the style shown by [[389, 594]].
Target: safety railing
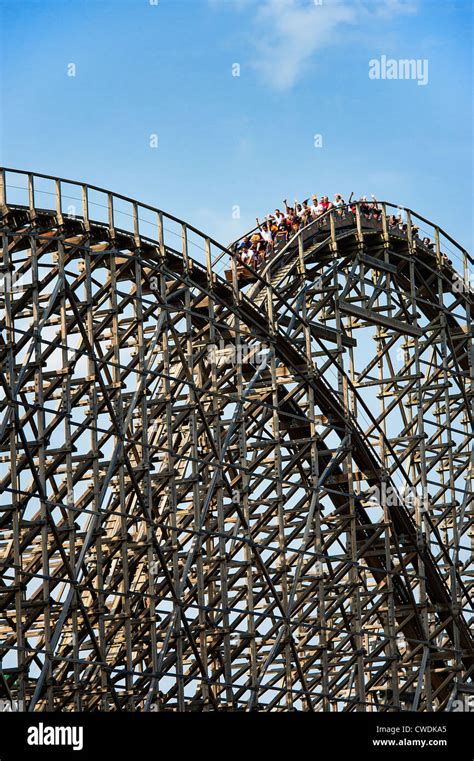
[[70, 199]]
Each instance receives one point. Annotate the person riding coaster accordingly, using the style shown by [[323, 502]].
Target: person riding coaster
[[278, 228]]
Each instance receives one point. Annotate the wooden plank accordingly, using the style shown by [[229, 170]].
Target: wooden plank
[[371, 316]]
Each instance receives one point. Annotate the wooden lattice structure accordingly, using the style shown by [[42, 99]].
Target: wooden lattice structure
[[221, 493]]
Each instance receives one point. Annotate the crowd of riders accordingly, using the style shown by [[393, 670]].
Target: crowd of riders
[[277, 228]]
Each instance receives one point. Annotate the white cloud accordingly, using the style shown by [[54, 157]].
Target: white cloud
[[291, 33], [286, 34]]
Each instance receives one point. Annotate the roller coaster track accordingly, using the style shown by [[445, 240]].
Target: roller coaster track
[[185, 527]]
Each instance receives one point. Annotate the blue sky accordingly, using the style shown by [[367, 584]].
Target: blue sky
[[246, 141]]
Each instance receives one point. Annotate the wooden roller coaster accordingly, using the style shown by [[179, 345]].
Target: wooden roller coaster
[[221, 492]]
